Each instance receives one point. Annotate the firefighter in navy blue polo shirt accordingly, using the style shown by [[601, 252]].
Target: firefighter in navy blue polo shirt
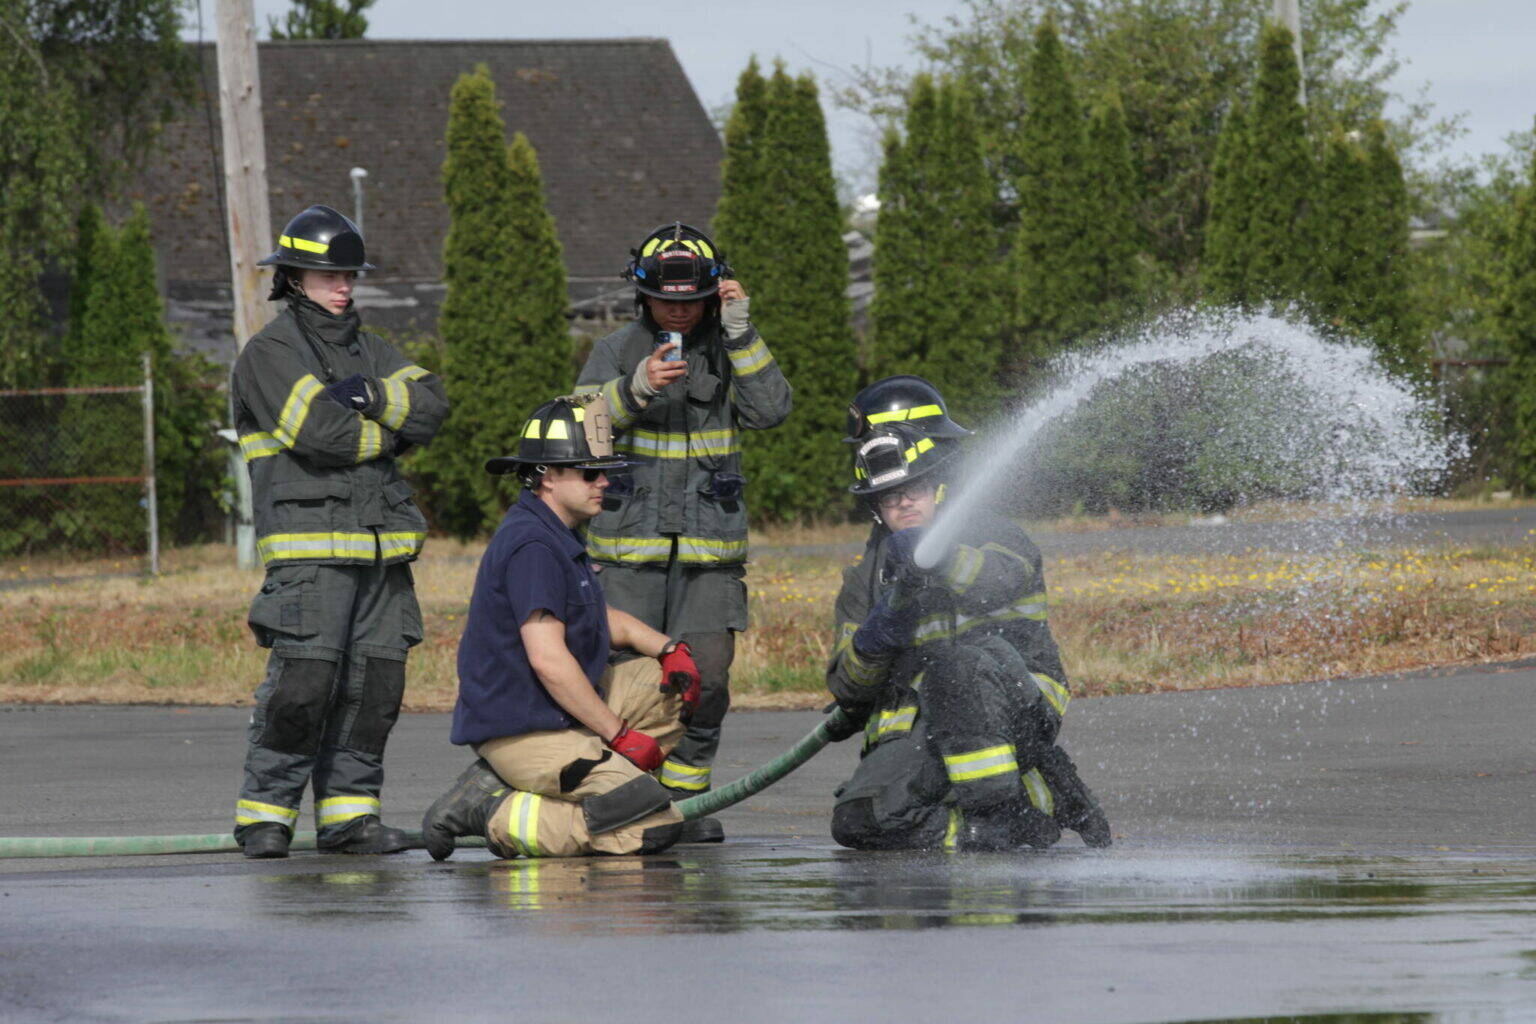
[[567, 745]]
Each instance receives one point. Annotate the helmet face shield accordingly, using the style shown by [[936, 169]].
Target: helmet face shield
[[883, 463], [894, 457]]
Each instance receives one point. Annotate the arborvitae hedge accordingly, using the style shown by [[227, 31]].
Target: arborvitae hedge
[[1053, 258], [1516, 326], [937, 309], [1281, 178], [1115, 237], [1224, 266], [781, 227], [505, 341]]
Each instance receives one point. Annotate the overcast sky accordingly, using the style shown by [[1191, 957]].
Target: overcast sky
[[1477, 57]]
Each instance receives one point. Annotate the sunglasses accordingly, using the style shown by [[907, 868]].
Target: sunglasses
[[591, 475]]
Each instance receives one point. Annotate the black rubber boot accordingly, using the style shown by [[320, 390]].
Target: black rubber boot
[[1009, 826], [464, 810], [369, 835], [702, 830], [1076, 807], [267, 840]]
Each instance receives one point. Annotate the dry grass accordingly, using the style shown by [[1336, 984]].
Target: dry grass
[[1133, 624]]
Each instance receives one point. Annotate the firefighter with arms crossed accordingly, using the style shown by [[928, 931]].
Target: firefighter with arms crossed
[[682, 379], [323, 410], [951, 671], [566, 743]]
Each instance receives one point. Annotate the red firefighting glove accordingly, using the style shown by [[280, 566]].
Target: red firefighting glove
[[680, 675], [637, 746]]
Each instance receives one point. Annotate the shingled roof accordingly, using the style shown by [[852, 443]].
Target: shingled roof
[[623, 141]]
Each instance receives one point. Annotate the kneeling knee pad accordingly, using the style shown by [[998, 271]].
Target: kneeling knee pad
[[295, 716], [659, 837], [624, 804]]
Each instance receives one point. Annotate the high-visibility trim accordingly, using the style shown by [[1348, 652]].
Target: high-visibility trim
[[397, 403], [896, 720], [251, 812], [981, 764], [296, 409], [395, 545], [623, 413], [334, 810], [952, 831], [862, 672], [676, 775], [644, 550], [303, 244], [370, 441], [844, 638], [409, 372], [964, 568], [259, 445], [523, 822], [752, 359], [936, 627], [657, 444], [922, 446], [918, 412], [1058, 696], [557, 430], [532, 430], [1039, 792]]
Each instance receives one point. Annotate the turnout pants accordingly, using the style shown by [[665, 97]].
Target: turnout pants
[[968, 737], [706, 607], [334, 682], [572, 795]]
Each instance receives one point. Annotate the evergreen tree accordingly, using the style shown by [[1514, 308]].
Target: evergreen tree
[[936, 309], [1114, 236], [738, 216], [505, 342], [1281, 177], [1360, 285], [783, 233], [1515, 323], [1224, 266], [1053, 258], [322, 19]]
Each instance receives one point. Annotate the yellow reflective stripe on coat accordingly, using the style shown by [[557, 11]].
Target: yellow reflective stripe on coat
[[964, 568], [662, 445], [296, 409], [981, 764], [393, 545], [918, 412], [409, 372], [250, 812], [936, 627], [752, 359], [613, 392], [276, 547], [676, 775], [1039, 792], [259, 445], [523, 822], [628, 549], [334, 810], [1058, 696], [862, 672], [370, 441], [397, 403], [303, 244], [896, 721], [710, 550]]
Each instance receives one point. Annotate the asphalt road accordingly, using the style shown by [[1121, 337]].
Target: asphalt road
[[1363, 847]]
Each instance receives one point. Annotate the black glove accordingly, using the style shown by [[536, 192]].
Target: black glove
[[887, 629], [850, 723], [356, 393]]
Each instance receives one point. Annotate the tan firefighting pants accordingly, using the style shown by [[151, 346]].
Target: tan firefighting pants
[[541, 820]]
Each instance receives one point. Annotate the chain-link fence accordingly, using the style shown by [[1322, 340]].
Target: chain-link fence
[[77, 472]]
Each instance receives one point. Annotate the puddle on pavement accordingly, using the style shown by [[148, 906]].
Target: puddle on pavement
[[722, 891]]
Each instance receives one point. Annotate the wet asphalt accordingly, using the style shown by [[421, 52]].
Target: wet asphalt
[[1351, 851]]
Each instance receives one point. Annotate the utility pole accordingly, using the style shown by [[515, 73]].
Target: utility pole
[[1288, 13], [245, 190]]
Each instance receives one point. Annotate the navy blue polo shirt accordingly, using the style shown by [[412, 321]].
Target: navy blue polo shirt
[[534, 561]]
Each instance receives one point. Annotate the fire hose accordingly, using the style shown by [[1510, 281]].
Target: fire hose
[[133, 846]]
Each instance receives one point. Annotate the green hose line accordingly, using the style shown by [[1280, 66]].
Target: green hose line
[[137, 846], [767, 775]]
